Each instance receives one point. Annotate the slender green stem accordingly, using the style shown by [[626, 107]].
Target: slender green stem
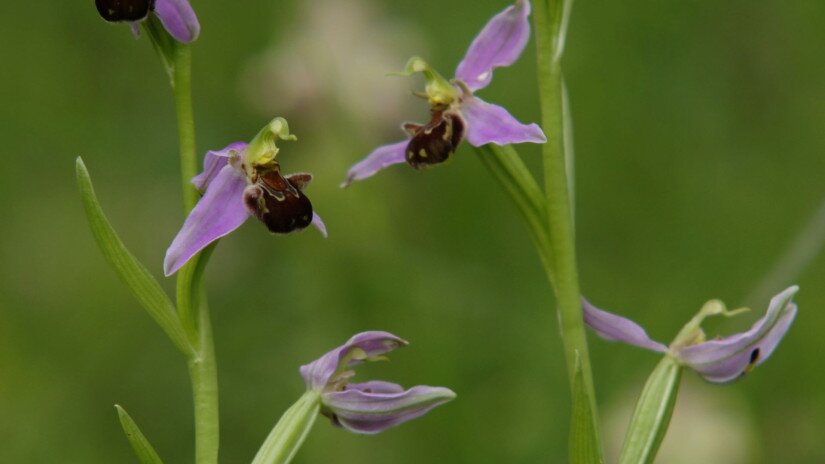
[[204, 375], [190, 294], [550, 18], [186, 124]]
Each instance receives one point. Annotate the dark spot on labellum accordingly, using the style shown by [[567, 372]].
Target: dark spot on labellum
[[278, 201], [436, 141], [754, 357], [124, 10]]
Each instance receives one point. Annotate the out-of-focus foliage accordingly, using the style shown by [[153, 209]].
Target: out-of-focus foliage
[[699, 142]]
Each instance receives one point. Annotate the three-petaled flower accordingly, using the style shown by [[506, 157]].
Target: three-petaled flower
[[368, 407], [238, 181], [177, 16], [719, 360], [456, 112]]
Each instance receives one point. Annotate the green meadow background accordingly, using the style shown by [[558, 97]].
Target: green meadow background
[[699, 159]]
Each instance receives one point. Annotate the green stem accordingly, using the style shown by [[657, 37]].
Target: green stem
[[550, 18], [204, 376], [186, 125], [190, 294]]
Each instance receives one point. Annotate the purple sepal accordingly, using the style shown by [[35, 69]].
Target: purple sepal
[[318, 223], [380, 158], [729, 358], [616, 328], [220, 211], [373, 407], [178, 19], [499, 44], [318, 374], [213, 162], [489, 123]]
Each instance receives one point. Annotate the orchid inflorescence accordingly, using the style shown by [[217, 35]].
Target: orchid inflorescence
[[245, 179]]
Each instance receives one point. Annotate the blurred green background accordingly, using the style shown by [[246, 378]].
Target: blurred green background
[[699, 140]]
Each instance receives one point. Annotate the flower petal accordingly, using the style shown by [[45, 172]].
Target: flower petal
[[178, 19], [499, 44], [376, 386], [727, 359], [372, 412], [219, 212], [488, 123], [213, 162], [373, 344], [616, 328], [318, 223], [382, 157]]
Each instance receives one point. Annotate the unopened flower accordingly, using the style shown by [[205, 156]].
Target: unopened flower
[[368, 407], [719, 360], [456, 112], [242, 180], [177, 16]]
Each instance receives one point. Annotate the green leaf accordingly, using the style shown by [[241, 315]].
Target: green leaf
[[143, 449], [584, 447], [289, 433], [652, 415], [507, 167], [143, 286]]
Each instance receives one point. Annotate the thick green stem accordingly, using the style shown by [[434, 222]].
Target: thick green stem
[[550, 18], [204, 375], [193, 310], [186, 125]]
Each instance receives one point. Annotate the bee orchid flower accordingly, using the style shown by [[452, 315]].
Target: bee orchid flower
[[177, 16], [368, 407], [456, 113], [719, 360], [239, 181]]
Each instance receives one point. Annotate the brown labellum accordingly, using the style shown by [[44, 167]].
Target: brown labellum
[[124, 10], [278, 201], [436, 141]]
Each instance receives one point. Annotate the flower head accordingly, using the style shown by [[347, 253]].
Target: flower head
[[242, 180], [456, 113], [719, 360], [368, 407], [177, 16]]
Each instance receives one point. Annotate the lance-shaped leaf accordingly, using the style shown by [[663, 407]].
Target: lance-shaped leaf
[[143, 449], [652, 415], [143, 286], [289, 433]]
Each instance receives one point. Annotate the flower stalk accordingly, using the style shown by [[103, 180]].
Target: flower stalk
[[550, 20], [191, 299]]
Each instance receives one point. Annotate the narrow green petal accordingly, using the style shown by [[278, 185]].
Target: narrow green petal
[[143, 286], [652, 415], [143, 449], [289, 433]]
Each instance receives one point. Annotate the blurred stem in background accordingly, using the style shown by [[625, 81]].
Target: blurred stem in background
[[798, 255]]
